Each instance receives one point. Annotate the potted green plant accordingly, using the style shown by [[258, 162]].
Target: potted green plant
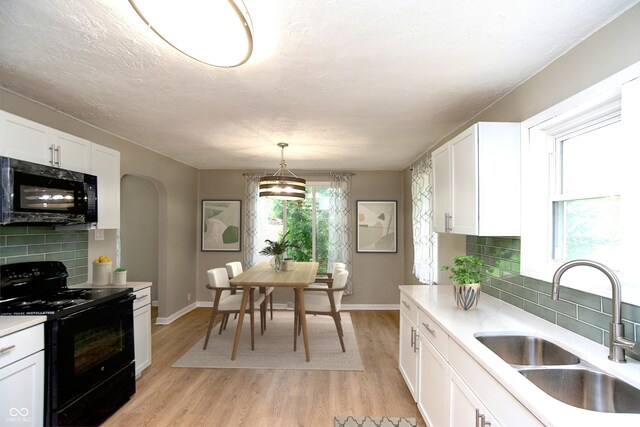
[[466, 273], [120, 276], [277, 249]]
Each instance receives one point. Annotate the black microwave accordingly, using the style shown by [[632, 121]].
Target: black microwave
[[37, 194]]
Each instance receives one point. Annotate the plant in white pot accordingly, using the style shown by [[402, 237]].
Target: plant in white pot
[[466, 273]]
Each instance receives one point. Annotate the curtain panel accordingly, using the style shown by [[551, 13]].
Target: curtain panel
[[422, 217], [251, 215], [341, 224]]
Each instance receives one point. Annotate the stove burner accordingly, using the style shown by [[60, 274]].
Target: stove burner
[[23, 304], [60, 303]]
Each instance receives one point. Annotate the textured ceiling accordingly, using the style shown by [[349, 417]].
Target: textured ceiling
[[354, 84]]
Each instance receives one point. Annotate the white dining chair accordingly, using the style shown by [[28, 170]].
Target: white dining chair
[[225, 302], [326, 280], [324, 301], [234, 268]]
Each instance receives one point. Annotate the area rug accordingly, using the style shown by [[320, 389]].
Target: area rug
[[375, 422], [274, 349]]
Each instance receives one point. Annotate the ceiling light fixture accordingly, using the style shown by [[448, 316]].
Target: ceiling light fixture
[[216, 32], [281, 185]]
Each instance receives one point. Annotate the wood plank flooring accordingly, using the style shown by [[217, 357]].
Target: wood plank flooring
[[167, 396]]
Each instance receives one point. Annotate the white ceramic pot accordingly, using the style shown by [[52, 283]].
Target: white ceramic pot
[[466, 296]]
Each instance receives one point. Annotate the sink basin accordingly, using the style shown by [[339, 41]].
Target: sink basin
[[586, 389], [527, 350]]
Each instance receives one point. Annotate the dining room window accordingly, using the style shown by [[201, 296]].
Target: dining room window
[[306, 222]]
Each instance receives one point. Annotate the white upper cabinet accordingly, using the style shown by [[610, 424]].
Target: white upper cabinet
[[476, 181], [105, 164], [26, 140]]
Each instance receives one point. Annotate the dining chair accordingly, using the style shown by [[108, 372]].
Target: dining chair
[[225, 302], [234, 268], [326, 280], [324, 301]]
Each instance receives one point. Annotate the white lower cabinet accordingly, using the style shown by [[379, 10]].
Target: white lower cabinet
[[466, 408], [22, 377], [433, 385], [409, 353], [142, 329], [452, 389]]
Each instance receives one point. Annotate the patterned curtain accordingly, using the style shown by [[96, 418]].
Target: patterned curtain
[[422, 217], [341, 224], [251, 215]]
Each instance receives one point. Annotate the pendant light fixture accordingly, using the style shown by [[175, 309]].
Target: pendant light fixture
[[216, 32], [281, 185]]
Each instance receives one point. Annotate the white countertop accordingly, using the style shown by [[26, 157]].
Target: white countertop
[[11, 324], [135, 285], [494, 315]]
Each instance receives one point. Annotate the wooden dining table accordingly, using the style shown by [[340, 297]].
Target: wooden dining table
[[263, 275]]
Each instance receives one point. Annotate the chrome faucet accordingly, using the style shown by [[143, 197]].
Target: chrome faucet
[[617, 342]]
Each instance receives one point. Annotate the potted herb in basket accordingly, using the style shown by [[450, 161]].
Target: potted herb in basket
[[278, 250], [466, 273]]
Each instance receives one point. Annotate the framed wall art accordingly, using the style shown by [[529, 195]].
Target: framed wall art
[[377, 226], [221, 230]]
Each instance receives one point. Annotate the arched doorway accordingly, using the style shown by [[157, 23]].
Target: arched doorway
[[142, 237]]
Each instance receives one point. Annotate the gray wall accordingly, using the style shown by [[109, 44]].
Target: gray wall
[[177, 188], [375, 276], [611, 49]]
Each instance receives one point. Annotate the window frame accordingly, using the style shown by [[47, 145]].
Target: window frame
[[539, 134]]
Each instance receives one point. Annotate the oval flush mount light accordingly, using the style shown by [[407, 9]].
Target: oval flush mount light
[[216, 32]]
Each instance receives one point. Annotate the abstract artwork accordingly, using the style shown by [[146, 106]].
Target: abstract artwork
[[377, 224], [221, 225]]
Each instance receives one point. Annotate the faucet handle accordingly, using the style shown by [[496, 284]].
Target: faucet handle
[[627, 344]]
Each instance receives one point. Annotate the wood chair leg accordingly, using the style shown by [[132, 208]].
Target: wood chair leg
[[224, 316], [251, 315], [271, 304], [213, 316], [295, 322], [338, 329], [340, 323]]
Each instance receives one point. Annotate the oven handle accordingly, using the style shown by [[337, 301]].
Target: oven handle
[[128, 298]]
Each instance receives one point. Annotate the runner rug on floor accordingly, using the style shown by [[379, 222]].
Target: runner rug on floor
[[274, 349], [375, 422]]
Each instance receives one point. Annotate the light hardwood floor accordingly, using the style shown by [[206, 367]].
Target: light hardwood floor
[[167, 396]]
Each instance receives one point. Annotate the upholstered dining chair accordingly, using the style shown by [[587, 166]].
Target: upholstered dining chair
[[234, 268], [225, 302], [326, 301], [326, 280]]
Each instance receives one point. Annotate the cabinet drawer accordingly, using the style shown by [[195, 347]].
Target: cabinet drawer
[[433, 332], [18, 345], [143, 297], [409, 307]]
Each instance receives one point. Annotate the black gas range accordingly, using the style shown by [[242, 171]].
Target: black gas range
[[89, 349]]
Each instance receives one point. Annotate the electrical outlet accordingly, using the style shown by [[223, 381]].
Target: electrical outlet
[[189, 296], [98, 234], [290, 305]]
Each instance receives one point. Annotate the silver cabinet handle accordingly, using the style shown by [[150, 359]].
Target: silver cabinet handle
[[413, 336], [142, 297], [480, 420], [415, 343], [52, 159], [429, 328], [406, 305], [447, 222], [7, 349], [59, 151]]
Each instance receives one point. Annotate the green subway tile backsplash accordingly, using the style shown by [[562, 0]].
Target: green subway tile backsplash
[[581, 312], [41, 243]]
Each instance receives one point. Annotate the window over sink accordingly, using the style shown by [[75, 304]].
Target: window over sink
[[579, 186]]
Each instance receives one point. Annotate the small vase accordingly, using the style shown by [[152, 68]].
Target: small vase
[[277, 261], [467, 296]]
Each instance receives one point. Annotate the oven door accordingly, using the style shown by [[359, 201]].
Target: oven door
[[87, 348]]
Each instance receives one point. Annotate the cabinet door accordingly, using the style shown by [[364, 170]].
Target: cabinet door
[[70, 152], [441, 187], [466, 409], [23, 139], [464, 182], [142, 337], [408, 354], [105, 164], [433, 385], [22, 399]]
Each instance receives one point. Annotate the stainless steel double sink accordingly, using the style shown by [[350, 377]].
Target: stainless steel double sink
[[562, 375]]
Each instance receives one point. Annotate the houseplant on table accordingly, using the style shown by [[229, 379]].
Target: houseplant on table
[[278, 250], [466, 273]]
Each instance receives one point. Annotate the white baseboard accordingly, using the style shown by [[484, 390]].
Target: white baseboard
[[176, 315], [277, 306]]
